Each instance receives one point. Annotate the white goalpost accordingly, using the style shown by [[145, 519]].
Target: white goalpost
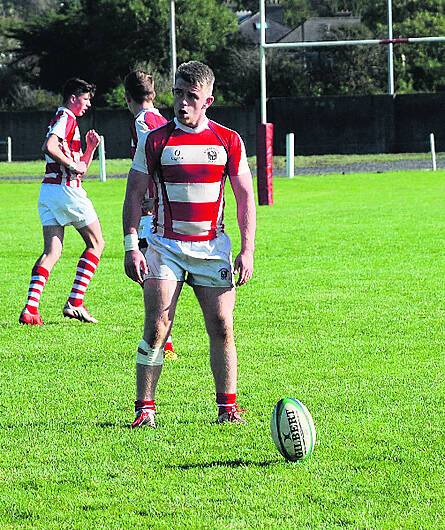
[[265, 180], [390, 41]]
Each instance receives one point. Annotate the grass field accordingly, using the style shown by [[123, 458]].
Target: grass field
[[345, 312]]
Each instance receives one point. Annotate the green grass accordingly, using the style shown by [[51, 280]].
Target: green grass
[[120, 166], [36, 168], [345, 312]]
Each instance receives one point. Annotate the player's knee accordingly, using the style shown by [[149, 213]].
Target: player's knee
[[52, 255], [220, 328], [148, 356]]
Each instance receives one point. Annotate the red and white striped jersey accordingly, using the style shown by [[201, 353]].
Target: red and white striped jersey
[[64, 126], [144, 122], [189, 167]]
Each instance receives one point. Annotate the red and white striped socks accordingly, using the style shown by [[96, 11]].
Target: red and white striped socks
[[85, 269], [39, 277], [225, 402]]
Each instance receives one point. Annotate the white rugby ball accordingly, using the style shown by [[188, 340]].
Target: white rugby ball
[[293, 429]]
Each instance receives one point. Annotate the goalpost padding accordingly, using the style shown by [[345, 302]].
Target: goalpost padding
[[264, 163]]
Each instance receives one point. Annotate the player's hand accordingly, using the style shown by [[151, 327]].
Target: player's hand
[[81, 167], [135, 266], [148, 206], [92, 138], [244, 266]]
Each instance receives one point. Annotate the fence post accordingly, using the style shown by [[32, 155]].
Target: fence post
[[290, 155], [9, 149], [433, 151], [102, 165]]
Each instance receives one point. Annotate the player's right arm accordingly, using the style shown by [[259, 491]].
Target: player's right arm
[[135, 264], [51, 147]]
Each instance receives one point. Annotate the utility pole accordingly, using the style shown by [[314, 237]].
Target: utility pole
[[172, 41]]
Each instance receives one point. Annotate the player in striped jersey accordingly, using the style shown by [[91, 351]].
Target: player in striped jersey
[[140, 93], [189, 160], [63, 202]]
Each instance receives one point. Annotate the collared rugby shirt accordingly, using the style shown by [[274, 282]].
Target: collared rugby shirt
[[190, 167], [64, 126]]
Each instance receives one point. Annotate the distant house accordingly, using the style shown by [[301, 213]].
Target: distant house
[[313, 29], [317, 29], [250, 27]]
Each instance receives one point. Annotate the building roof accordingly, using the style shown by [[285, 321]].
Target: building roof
[[274, 30], [315, 29]]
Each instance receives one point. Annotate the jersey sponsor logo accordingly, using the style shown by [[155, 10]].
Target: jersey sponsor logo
[[211, 153], [176, 155]]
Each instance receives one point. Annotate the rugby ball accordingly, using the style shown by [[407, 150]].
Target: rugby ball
[[293, 429]]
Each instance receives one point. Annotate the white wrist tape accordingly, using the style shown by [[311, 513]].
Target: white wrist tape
[[73, 166], [131, 242]]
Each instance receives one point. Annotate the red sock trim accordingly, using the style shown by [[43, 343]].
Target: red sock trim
[[225, 402], [41, 271], [90, 257], [141, 404], [224, 399]]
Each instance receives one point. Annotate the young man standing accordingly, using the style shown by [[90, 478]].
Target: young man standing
[[63, 201], [140, 93], [189, 159]]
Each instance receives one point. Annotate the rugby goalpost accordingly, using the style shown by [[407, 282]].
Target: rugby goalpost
[[264, 142]]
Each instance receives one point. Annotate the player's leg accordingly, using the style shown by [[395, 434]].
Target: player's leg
[[144, 231], [160, 300], [217, 304], [52, 250], [86, 267], [145, 227]]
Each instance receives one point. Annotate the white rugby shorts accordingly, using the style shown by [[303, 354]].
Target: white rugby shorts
[[206, 263], [145, 227], [65, 205]]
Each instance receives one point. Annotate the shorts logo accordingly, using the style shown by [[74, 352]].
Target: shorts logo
[[212, 154], [224, 273], [177, 155]]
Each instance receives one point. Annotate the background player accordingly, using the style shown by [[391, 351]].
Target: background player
[[140, 93], [63, 201], [189, 159]]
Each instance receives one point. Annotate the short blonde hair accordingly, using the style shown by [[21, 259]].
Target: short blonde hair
[[196, 73]]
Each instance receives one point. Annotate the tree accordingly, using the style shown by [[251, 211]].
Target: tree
[[418, 67], [23, 9], [349, 70], [103, 39]]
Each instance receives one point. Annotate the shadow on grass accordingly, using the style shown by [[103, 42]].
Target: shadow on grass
[[227, 463], [14, 323]]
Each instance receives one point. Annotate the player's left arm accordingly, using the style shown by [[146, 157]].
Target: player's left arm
[[134, 262], [93, 140], [242, 187]]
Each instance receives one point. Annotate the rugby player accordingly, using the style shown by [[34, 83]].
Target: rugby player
[[63, 201], [189, 159]]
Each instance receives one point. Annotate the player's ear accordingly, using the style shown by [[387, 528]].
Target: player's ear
[[209, 101], [154, 95]]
